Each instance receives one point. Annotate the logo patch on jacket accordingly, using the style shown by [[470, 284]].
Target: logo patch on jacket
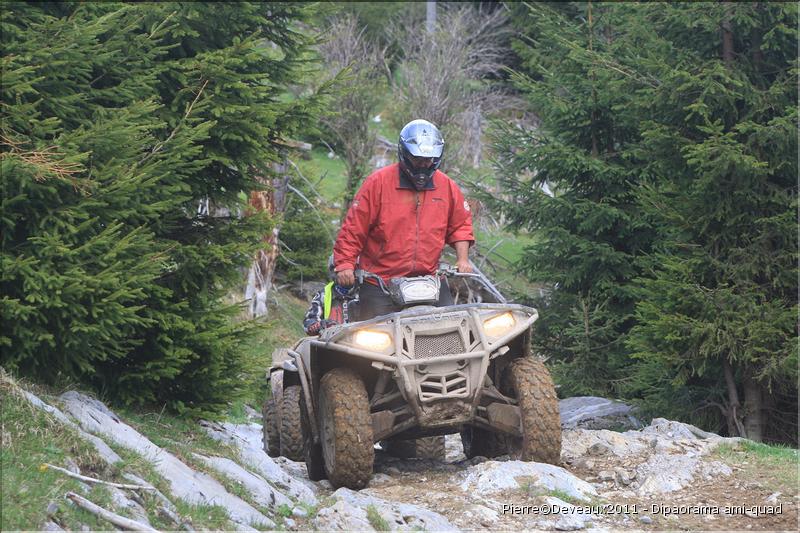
[[466, 206]]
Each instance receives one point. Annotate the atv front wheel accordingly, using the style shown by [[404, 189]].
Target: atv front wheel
[[269, 428], [291, 444], [530, 383], [345, 429]]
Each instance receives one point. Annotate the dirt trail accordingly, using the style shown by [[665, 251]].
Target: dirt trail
[[700, 506]]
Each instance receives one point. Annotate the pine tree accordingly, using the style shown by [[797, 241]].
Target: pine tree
[[118, 119], [589, 233], [668, 135], [716, 318]]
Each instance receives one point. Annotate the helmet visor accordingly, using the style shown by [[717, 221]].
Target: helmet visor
[[423, 146], [421, 163]]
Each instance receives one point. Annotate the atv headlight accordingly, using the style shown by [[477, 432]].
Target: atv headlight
[[377, 341], [499, 325]]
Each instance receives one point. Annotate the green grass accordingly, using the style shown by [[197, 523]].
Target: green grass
[[776, 466], [326, 174], [505, 247], [31, 438], [376, 520], [181, 436], [530, 488], [283, 327], [284, 510]]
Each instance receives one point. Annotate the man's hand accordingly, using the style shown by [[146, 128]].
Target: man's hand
[[463, 266], [314, 328], [345, 277], [462, 257]]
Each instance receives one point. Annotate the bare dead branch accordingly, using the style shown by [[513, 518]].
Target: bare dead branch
[[88, 479], [443, 76], [108, 516], [359, 66], [316, 211]]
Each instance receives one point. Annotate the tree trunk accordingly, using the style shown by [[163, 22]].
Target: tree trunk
[[259, 279], [753, 409], [430, 19], [727, 37], [735, 428]]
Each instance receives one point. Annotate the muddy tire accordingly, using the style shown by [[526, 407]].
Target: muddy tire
[[291, 444], [422, 448], [312, 453], [269, 428], [480, 442], [345, 429], [530, 383]]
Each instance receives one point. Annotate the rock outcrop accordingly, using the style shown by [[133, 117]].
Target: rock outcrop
[[597, 466]]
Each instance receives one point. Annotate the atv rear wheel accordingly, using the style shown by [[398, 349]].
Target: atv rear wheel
[[530, 383], [269, 428], [291, 443], [422, 448], [480, 442], [315, 464], [345, 429]]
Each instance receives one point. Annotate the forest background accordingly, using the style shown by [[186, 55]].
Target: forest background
[[634, 169]]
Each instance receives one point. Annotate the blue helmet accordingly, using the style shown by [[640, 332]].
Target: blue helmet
[[419, 151]]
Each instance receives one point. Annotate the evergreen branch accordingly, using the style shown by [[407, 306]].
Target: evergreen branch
[[43, 160], [160, 145], [126, 58]]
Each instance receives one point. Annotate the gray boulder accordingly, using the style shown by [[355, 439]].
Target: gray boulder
[[494, 476], [247, 438], [592, 412], [351, 513], [185, 483]]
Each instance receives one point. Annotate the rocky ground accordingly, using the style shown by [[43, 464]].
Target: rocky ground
[[666, 475]]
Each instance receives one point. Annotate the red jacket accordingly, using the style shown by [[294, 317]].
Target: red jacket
[[393, 230]]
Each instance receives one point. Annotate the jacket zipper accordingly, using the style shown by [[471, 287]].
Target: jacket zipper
[[416, 236]]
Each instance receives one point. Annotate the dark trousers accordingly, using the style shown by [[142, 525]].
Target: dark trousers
[[372, 301]]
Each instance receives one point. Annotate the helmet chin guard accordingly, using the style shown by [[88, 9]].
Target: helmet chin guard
[[419, 140]]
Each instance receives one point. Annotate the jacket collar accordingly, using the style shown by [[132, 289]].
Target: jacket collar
[[405, 183]]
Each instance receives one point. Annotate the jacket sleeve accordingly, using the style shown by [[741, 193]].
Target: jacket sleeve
[[353, 234], [459, 226]]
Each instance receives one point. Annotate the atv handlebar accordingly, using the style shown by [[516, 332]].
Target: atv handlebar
[[444, 269]]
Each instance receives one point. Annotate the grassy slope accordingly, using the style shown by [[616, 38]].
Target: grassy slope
[[778, 467], [32, 438]]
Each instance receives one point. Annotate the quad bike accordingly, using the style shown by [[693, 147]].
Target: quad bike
[[407, 378]]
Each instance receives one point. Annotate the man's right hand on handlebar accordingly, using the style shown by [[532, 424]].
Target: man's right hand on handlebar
[[345, 277]]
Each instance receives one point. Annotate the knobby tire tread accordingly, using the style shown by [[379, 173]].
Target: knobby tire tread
[[345, 401], [291, 442], [541, 422], [269, 428]]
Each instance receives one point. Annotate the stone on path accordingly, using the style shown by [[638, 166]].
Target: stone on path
[[350, 513], [247, 438], [491, 477]]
